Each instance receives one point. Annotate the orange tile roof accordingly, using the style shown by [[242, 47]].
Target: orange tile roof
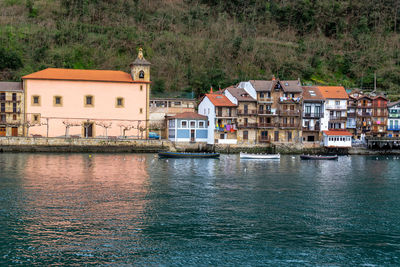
[[337, 132], [82, 75], [333, 92], [220, 100]]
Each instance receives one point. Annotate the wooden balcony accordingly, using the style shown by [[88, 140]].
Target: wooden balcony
[[311, 129], [337, 119], [265, 100], [247, 125], [287, 112], [249, 112], [267, 125], [289, 125], [265, 112]]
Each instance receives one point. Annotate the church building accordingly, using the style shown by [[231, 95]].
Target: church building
[[88, 103]]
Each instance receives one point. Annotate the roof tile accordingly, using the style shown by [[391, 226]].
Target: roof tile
[[333, 92]]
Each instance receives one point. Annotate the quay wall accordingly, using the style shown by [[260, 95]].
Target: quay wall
[[41, 144]]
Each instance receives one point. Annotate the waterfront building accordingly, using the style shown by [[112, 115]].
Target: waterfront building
[[222, 118], [246, 114], [393, 125], [337, 139], [88, 103], [335, 116], [11, 109], [379, 116], [313, 112], [162, 108], [187, 127], [351, 124], [279, 109]]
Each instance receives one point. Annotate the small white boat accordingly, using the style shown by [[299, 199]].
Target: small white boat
[[259, 156]]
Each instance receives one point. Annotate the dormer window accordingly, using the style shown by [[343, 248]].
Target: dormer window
[[141, 74]]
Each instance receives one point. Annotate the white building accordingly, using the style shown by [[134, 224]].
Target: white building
[[313, 113], [222, 118], [393, 122], [335, 115], [337, 138]]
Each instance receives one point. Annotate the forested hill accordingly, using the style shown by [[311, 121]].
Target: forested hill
[[193, 44]]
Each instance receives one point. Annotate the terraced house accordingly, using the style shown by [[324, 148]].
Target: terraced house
[[379, 116], [393, 126], [335, 116], [246, 114], [11, 109], [279, 109], [313, 111]]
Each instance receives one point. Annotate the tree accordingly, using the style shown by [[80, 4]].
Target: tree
[[105, 125], [124, 128], [68, 124]]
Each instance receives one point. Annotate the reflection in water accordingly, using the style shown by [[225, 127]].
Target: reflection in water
[[136, 209]]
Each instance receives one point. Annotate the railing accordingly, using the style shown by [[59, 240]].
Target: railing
[[267, 125], [309, 128], [381, 123], [289, 112], [266, 112], [379, 114], [226, 115], [294, 100], [364, 114], [313, 115], [247, 125], [351, 114], [264, 139], [393, 128], [368, 105], [247, 112], [266, 99], [351, 126], [288, 125], [337, 118], [336, 107]]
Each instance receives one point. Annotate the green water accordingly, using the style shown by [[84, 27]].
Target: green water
[[135, 209]]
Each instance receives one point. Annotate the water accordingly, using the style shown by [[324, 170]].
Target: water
[[134, 209]]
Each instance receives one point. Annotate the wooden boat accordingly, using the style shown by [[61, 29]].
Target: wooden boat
[[318, 157], [187, 155], [259, 156]]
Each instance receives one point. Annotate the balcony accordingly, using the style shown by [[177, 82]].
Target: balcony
[[380, 123], [289, 112], [267, 125], [366, 105], [226, 115], [289, 100], [288, 125], [244, 112], [364, 114], [351, 126], [266, 112], [351, 114], [393, 128], [247, 125], [394, 115], [337, 118], [3, 100], [336, 107], [379, 114], [265, 100], [264, 139], [313, 115], [311, 129]]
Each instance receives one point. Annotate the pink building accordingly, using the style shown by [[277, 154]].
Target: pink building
[[88, 103]]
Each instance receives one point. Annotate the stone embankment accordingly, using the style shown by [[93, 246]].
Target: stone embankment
[[25, 144]]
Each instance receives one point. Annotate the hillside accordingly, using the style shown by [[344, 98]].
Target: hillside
[[193, 44]]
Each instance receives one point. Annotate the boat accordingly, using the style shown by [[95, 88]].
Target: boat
[[168, 154], [318, 157], [259, 156]]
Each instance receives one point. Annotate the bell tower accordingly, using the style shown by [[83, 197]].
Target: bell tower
[[140, 68]]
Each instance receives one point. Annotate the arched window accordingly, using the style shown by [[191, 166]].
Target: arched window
[[141, 74]]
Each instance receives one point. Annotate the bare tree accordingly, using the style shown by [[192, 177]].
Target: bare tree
[[124, 128], [105, 125], [69, 124]]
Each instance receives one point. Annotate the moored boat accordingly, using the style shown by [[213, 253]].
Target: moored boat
[[259, 156], [168, 154], [318, 157]]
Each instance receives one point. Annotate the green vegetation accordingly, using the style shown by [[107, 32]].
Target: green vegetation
[[195, 44]]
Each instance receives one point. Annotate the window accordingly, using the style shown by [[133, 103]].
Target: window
[[89, 101], [35, 100], [201, 124], [14, 97], [3, 107], [119, 102], [57, 101], [141, 74], [14, 117], [171, 124], [3, 96], [177, 104], [141, 110], [141, 88], [35, 118], [183, 124], [337, 103], [245, 135], [192, 124]]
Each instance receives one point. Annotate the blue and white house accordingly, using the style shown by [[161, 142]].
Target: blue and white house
[[393, 122], [187, 127]]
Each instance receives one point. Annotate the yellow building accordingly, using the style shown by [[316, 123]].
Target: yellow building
[[11, 109]]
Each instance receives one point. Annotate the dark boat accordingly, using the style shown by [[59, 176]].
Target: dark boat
[[187, 155], [318, 157]]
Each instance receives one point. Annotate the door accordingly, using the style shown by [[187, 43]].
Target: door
[[245, 135], [276, 136], [192, 136], [2, 131], [14, 131], [88, 129]]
